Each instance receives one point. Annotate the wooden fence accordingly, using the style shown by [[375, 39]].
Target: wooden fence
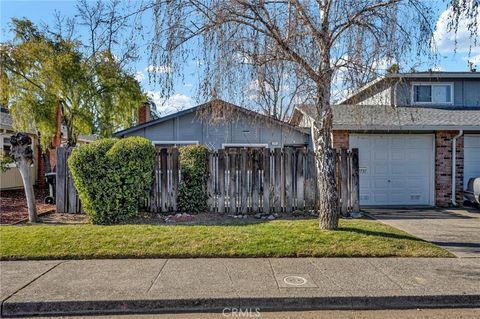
[[241, 181], [66, 197]]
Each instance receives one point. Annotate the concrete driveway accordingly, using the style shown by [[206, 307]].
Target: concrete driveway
[[457, 230]]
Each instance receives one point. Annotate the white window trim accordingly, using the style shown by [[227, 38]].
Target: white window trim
[[244, 145], [2, 135], [174, 142], [412, 95]]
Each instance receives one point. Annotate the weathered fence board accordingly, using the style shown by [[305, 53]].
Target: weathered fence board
[[66, 197], [240, 181]]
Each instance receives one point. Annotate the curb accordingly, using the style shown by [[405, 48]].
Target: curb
[[119, 307]]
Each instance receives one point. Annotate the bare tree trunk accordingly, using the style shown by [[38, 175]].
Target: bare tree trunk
[[24, 168], [22, 154], [327, 201]]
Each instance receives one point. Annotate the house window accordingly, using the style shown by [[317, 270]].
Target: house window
[[6, 147], [427, 93]]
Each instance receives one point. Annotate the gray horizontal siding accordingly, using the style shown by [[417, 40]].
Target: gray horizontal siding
[[243, 130]]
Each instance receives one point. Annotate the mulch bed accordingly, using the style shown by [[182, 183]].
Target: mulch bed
[[13, 205]]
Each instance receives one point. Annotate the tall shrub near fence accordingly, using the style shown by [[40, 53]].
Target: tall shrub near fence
[[113, 177], [192, 192]]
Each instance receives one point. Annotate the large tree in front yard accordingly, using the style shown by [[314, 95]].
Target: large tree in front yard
[[317, 40], [42, 71]]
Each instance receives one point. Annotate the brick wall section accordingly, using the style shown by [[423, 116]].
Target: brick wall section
[[40, 169], [443, 168], [460, 169], [144, 113], [340, 139]]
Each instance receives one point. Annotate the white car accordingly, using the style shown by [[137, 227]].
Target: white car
[[472, 193]]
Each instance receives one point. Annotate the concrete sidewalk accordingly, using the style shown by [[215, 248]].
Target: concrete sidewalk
[[173, 285], [456, 230]]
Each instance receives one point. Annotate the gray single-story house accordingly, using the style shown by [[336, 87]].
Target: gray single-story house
[[218, 124]]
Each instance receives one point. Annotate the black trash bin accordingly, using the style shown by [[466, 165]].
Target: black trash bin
[[51, 180]]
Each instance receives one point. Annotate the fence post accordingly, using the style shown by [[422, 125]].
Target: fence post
[[60, 186], [232, 155], [277, 174], [221, 181], [344, 182], [163, 179], [288, 179], [175, 168], [266, 181], [210, 182], [355, 182], [255, 181], [243, 181], [300, 179]]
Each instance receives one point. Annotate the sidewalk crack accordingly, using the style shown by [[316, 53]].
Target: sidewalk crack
[[30, 282], [273, 273], [158, 276]]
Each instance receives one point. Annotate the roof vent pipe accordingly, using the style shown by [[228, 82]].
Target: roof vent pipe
[[454, 167]]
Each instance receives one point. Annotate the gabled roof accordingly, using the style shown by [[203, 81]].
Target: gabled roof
[[415, 75], [386, 117], [200, 107]]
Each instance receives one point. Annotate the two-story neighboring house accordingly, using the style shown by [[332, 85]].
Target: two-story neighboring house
[[407, 126]]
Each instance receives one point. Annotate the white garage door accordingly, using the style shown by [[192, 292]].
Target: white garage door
[[395, 169], [471, 157]]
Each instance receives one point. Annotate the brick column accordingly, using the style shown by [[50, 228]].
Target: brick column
[[443, 168], [57, 138], [144, 113], [40, 169], [340, 139]]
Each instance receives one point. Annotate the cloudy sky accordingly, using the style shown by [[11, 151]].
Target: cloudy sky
[[42, 12]]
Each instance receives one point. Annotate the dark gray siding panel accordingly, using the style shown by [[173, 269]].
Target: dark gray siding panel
[[244, 131], [216, 134], [272, 134], [140, 132], [189, 128], [294, 137], [161, 132], [472, 92]]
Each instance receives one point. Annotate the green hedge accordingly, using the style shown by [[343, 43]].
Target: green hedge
[[192, 193], [113, 177]]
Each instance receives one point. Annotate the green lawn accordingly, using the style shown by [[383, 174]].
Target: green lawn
[[280, 238]]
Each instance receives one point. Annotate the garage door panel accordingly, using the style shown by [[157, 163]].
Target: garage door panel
[[398, 154], [380, 184], [399, 183], [380, 168], [397, 143], [380, 199], [471, 155], [398, 169]]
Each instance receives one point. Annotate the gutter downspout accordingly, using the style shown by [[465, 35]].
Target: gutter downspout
[[454, 167]]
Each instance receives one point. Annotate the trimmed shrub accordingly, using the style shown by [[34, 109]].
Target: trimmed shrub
[[113, 177], [192, 193]]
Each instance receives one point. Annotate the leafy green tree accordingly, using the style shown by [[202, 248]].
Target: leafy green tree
[[41, 72]]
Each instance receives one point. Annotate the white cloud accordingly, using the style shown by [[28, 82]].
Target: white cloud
[[175, 103], [159, 69], [474, 59], [139, 76], [438, 69], [444, 39]]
